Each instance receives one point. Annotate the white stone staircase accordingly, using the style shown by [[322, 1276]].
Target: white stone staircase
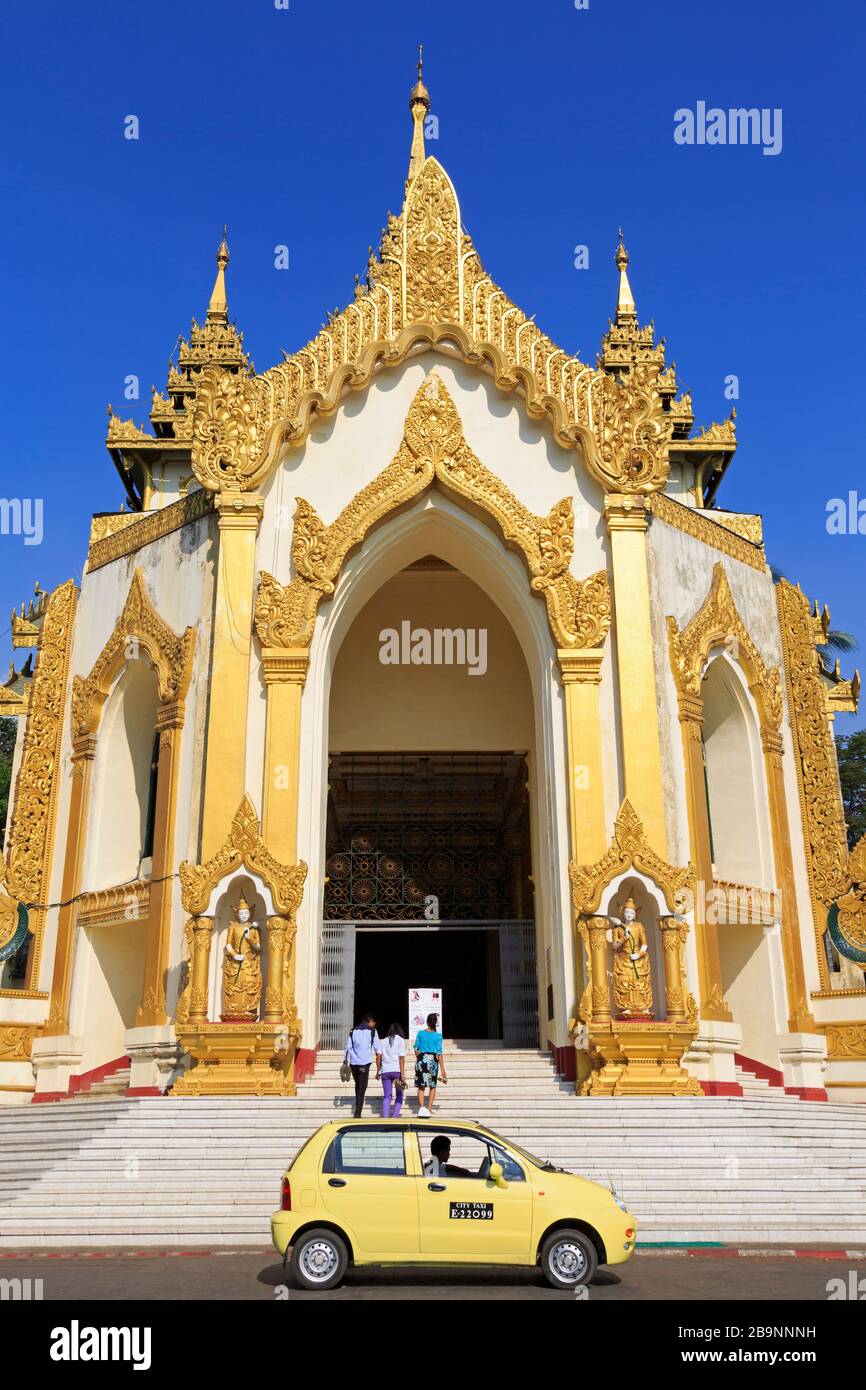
[[172, 1172], [758, 1087]]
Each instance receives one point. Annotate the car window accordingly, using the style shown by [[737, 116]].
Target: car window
[[470, 1156], [367, 1151]]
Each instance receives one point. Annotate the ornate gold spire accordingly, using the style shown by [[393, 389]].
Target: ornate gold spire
[[626, 311], [218, 309], [419, 105]]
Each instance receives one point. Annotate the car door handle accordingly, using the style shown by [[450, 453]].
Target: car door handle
[[336, 1182], [436, 1187]]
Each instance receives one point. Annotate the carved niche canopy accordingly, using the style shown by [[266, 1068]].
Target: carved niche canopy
[[170, 656], [427, 286], [629, 849], [434, 452], [717, 622], [244, 847]]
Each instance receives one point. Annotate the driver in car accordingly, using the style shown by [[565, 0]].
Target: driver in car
[[437, 1166]]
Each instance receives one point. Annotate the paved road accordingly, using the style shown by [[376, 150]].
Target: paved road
[[258, 1275]]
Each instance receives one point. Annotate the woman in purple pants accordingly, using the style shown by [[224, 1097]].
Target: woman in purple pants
[[391, 1070]]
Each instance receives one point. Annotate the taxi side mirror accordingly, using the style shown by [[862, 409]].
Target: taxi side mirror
[[497, 1175]]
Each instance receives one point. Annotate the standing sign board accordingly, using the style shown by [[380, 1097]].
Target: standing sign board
[[421, 1003]]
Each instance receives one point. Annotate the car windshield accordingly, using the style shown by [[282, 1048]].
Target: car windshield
[[524, 1153]]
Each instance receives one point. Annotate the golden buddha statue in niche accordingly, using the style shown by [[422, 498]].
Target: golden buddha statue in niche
[[242, 968], [632, 976]]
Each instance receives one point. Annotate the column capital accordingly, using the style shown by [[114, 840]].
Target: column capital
[[84, 748], [772, 744], [285, 665], [626, 511], [170, 716], [691, 709], [239, 511], [580, 665]]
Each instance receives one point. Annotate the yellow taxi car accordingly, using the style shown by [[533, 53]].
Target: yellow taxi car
[[376, 1192]]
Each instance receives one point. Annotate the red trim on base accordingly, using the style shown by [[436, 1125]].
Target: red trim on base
[[721, 1088], [564, 1061], [137, 1091], [760, 1069], [305, 1063], [86, 1079], [777, 1078]]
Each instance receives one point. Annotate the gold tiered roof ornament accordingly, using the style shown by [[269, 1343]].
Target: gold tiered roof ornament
[[27, 624], [215, 343], [425, 285], [15, 691]]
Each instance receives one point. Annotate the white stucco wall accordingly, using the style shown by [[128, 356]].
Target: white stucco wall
[[680, 578]]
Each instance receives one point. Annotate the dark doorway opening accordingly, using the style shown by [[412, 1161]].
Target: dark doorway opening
[[463, 963]]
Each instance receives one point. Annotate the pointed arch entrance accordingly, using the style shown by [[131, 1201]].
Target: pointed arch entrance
[[489, 583], [428, 845]]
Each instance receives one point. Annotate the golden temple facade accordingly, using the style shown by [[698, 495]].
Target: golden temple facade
[[612, 829]]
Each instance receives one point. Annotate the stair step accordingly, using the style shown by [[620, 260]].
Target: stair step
[[208, 1168]]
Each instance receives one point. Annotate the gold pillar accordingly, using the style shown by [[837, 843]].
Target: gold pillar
[[713, 1004], [627, 519], [239, 518], [83, 753], [285, 671], [800, 1019], [199, 996], [673, 933], [597, 928], [580, 669], [276, 986], [151, 1011]]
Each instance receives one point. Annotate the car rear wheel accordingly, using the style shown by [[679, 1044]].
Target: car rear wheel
[[568, 1259], [319, 1259]]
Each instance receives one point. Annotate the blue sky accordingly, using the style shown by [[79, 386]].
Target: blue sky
[[556, 125]]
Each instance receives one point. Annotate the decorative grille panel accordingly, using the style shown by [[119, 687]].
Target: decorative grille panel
[[337, 982]]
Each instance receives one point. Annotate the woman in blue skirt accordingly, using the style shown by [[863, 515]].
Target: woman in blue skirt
[[429, 1063]]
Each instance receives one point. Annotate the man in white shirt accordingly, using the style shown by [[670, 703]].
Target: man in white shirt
[[440, 1150], [437, 1166]]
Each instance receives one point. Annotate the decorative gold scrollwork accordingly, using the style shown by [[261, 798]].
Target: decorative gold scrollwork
[[169, 655], [629, 849], [434, 452], [717, 622], [243, 846]]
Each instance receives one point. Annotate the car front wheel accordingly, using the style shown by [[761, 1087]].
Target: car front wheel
[[568, 1259], [319, 1260]]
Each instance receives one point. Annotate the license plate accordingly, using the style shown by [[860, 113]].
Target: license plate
[[470, 1211]]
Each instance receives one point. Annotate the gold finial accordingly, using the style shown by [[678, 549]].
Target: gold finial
[[419, 91], [419, 105], [218, 309], [626, 311]]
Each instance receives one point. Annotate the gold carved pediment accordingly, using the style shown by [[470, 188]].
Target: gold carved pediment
[[434, 452], [170, 656], [629, 849], [243, 847], [718, 623]]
